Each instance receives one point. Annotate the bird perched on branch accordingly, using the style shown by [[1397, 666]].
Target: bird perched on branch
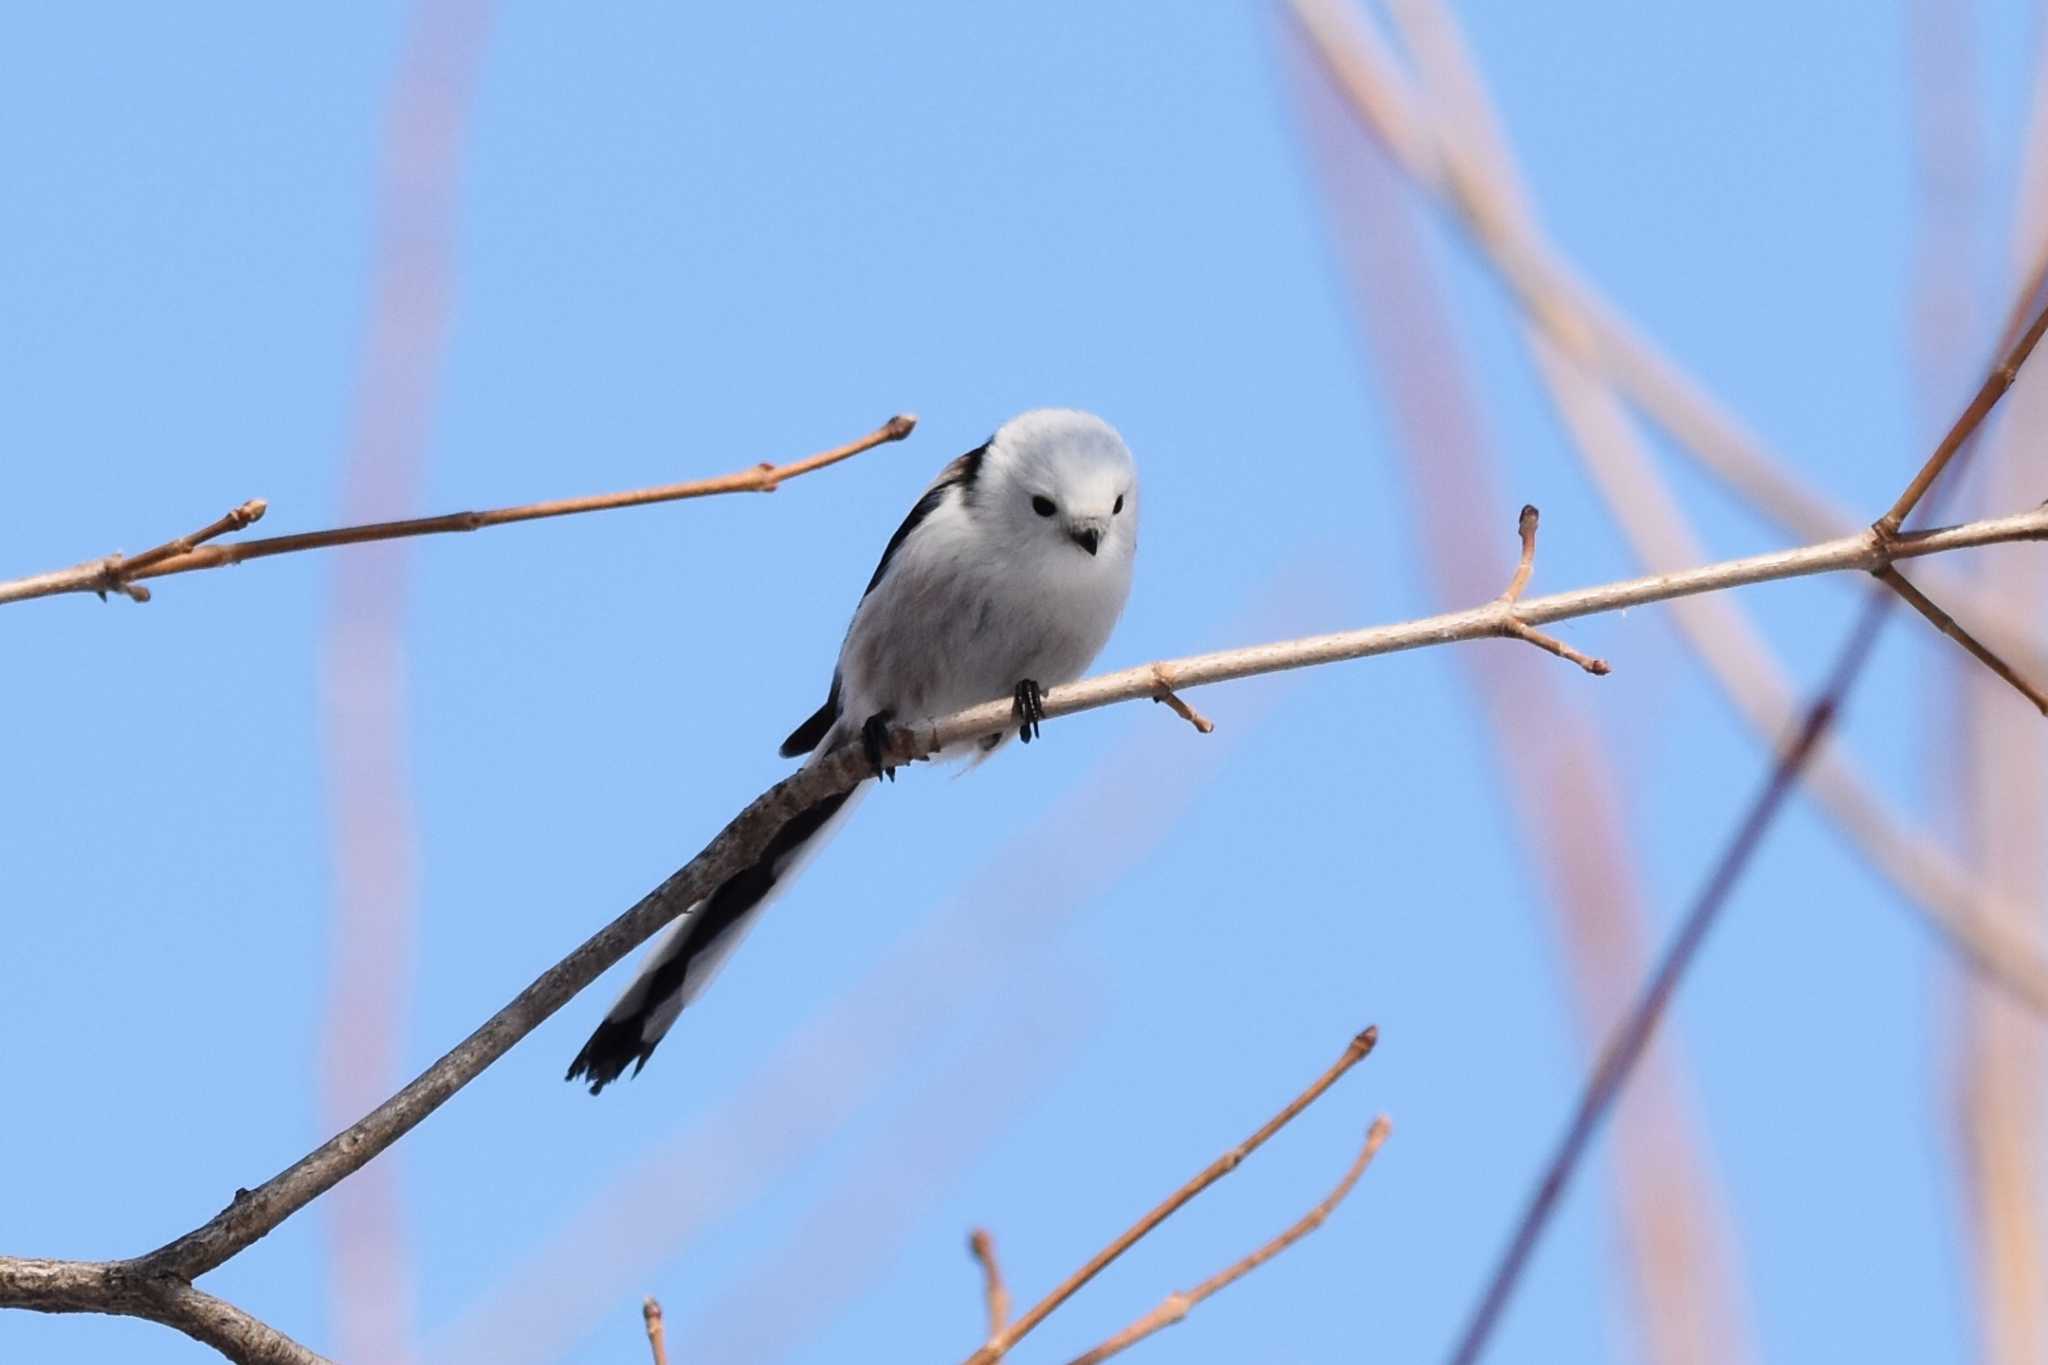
[[1005, 579]]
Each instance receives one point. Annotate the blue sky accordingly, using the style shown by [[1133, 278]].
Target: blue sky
[[692, 237]]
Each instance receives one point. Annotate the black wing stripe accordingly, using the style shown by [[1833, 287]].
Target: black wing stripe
[[963, 474]]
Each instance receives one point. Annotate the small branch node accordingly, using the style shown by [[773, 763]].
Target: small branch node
[[1513, 625], [1164, 694]]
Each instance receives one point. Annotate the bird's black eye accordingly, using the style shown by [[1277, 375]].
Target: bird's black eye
[[1043, 506], [1119, 505]]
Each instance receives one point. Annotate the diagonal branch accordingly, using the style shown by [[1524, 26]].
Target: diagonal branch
[[114, 1287], [1949, 626], [2009, 959], [999, 1344], [119, 575], [1175, 1306], [1632, 1035]]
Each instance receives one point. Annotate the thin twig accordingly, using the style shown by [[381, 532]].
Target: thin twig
[[1988, 393], [1521, 630], [123, 571], [2007, 957], [1000, 1343], [762, 478], [994, 1291], [1632, 1035], [1164, 694], [1949, 626], [1579, 320], [657, 1334], [1175, 1306]]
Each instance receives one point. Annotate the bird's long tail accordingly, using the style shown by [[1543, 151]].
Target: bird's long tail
[[684, 959]]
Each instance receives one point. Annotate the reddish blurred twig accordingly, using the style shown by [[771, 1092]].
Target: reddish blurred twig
[[117, 574], [1633, 1035], [1000, 1343], [1681, 1270], [1560, 319], [1175, 1306], [1578, 319]]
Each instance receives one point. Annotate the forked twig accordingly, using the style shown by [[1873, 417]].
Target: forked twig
[[1972, 417], [182, 556], [1167, 697], [1519, 629], [1000, 1343], [1176, 1305]]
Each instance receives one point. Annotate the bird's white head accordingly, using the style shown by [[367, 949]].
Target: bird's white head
[[1064, 481]]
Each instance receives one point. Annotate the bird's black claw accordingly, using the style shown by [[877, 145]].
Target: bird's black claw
[[874, 741], [1030, 710]]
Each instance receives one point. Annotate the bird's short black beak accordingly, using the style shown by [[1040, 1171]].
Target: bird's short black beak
[[1088, 539]]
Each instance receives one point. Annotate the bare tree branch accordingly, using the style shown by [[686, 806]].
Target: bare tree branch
[[254, 1213], [115, 574], [1175, 1306], [1000, 1343], [117, 1287]]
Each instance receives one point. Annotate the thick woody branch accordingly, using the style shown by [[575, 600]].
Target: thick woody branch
[[116, 574], [116, 1287], [1000, 1343], [254, 1213], [1177, 1305]]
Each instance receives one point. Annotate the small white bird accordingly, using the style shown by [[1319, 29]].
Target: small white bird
[[1006, 577]]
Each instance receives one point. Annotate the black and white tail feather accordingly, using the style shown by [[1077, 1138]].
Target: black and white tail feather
[[1006, 577]]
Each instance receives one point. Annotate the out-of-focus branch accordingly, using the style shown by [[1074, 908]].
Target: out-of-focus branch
[[1582, 323], [993, 1290], [1673, 1243], [1720, 635], [112, 1287], [1995, 1078], [1000, 1343], [1175, 1306], [116, 574]]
